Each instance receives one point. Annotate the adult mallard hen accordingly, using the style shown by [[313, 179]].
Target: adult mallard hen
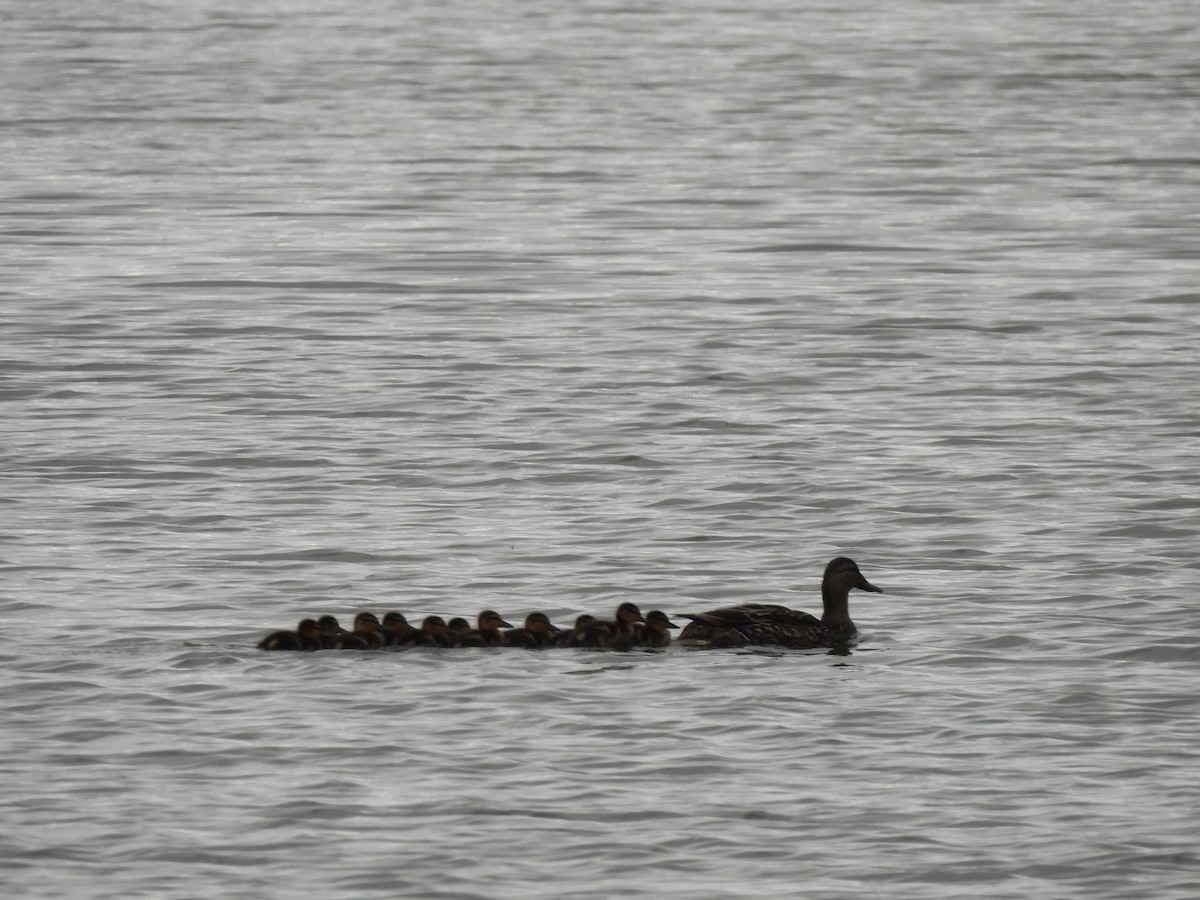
[[764, 623]]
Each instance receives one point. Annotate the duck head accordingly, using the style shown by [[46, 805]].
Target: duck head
[[308, 628], [434, 625], [394, 621], [329, 626], [842, 574], [539, 623], [657, 621], [366, 622], [628, 613], [490, 620]]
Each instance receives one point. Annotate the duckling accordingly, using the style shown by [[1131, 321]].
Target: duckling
[[330, 630], [435, 628], [367, 627], [614, 634], [487, 633], [537, 633], [349, 640], [310, 635], [573, 637], [320, 634], [656, 632], [280, 640], [457, 627], [398, 633], [764, 623]]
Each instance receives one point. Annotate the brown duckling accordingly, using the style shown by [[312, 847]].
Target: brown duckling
[[764, 623], [627, 620], [439, 634], [280, 640], [367, 627], [307, 636], [656, 632], [457, 627], [310, 635], [349, 640], [398, 633], [573, 637], [616, 633], [330, 630], [538, 632], [487, 633]]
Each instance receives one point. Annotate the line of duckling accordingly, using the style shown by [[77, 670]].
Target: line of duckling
[[627, 630]]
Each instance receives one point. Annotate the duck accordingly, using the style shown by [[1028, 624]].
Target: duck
[[572, 637], [437, 630], [310, 635], [538, 632], [348, 640], [330, 630], [367, 627], [280, 640], [486, 633], [656, 632], [307, 636], [765, 623], [399, 633], [614, 634]]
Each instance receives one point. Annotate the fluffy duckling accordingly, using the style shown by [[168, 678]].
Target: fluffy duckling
[[367, 627], [398, 633], [764, 623], [330, 630], [348, 640], [538, 632], [573, 637], [486, 633], [310, 635], [616, 633], [656, 632], [435, 627], [307, 636], [280, 640]]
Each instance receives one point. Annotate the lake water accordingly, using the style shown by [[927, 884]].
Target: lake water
[[315, 307]]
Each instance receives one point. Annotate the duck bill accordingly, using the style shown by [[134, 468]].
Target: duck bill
[[864, 585]]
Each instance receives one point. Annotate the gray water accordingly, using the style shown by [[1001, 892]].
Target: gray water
[[316, 307]]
